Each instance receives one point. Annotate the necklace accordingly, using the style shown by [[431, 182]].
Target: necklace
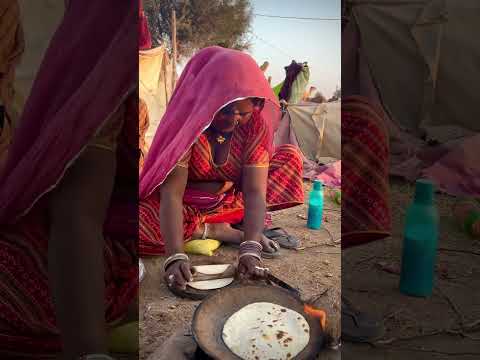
[[221, 137]]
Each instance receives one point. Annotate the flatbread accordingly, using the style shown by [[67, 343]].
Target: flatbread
[[211, 284], [211, 269], [266, 331]]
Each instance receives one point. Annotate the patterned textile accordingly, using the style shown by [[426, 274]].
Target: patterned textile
[[284, 188], [58, 121], [27, 319], [211, 79], [365, 188]]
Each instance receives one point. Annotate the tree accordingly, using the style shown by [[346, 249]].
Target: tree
[[200, 23]]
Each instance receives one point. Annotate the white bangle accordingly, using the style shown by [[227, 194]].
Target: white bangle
[[171, 259], [250, 254], [253, 242]]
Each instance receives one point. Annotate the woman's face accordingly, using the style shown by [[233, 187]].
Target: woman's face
[[237, 112]]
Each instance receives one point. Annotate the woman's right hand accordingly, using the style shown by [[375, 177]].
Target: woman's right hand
[[179, 273]]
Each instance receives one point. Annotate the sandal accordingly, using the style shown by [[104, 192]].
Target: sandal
[[271, 254], [280, 236], [359, 327]]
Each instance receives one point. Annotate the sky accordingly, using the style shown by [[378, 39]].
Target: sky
[[279, 41]]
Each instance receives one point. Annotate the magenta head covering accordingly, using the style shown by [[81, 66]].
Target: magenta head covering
[[90, 67], [212, 78]]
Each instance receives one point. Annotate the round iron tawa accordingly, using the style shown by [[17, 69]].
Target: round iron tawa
[[211, 315]]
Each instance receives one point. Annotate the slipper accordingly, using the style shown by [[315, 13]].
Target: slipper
[[359, 327], [281, 237]]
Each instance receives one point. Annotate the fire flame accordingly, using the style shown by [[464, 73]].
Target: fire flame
[[318, 313]]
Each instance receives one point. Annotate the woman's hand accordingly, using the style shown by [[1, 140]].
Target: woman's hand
[[250, 267], [179, 273]]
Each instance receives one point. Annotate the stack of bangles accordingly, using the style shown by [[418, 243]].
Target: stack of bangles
[[250, 248], [175, 257]]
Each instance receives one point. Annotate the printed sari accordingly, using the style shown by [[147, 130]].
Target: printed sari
[[366, 213], [213, 78], [87, 106]]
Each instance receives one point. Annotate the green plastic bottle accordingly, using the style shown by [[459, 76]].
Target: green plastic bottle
[[420, 243], [315, 206]]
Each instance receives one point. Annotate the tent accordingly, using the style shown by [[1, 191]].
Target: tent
[[156, 84], [316, 130], [419, 59], [423, 56]]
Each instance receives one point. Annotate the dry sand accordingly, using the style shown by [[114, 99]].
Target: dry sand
[[370, 278], [313, 270]]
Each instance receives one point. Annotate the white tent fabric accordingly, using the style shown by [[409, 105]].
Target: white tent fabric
[[424, 56], [317, 129], [155, 88]]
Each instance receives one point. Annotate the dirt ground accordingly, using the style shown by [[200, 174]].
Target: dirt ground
[[444, 326], [313, 270]]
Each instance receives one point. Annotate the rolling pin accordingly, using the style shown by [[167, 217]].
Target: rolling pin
[[228, 273]]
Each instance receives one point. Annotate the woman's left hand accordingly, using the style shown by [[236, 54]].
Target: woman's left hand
[[250, 267]]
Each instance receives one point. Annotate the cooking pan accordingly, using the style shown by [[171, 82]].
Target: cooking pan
[[211, 315]]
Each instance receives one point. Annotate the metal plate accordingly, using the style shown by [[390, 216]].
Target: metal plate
[[211, 315], [196, 294]]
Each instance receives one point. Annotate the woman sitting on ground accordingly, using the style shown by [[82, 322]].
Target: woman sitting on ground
[[68, 192], [212, 165]]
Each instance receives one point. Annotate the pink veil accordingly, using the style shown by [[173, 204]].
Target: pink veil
[[212, 78], [88, 70]]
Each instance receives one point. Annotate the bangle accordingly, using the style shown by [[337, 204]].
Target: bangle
[[258, 257], [251, 245], [252, 242], [173, 258]]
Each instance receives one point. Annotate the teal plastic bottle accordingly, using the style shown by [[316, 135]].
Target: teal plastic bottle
[[420, 243], [315, 206]]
